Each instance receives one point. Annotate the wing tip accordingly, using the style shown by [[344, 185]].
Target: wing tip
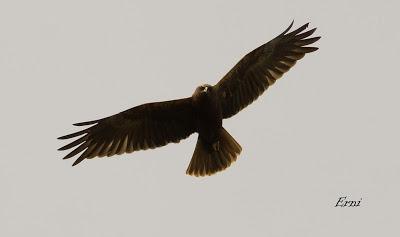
[[72, 135], [75, 163], [66, 157], [86, 123], [312, 49], [80, 159], [64, 137], [301, 28], [288, 28], [313, 29]]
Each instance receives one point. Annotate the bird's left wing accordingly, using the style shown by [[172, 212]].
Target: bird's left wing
[[260, 68], [146, 126]]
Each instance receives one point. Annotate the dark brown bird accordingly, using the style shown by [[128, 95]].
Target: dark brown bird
[[157, 124]]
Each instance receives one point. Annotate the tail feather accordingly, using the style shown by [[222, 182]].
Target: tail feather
[[208, 161]]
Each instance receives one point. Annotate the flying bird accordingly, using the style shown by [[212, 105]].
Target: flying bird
[[156, 124]]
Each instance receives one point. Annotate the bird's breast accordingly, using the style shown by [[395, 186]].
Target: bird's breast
[[208, 117]]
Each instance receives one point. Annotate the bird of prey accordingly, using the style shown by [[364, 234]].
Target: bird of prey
[[156, 124]]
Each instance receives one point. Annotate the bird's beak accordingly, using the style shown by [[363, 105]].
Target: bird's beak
[[205, 89]]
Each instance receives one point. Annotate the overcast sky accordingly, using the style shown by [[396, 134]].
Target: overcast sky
[[328, 128]]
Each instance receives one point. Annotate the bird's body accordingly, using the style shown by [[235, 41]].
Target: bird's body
[[208, 113], [157, 124]]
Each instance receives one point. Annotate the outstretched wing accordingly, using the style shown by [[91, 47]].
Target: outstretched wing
[[260, 68], [146, 126]]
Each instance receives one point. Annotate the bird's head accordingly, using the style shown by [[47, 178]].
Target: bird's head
[[203, 90]]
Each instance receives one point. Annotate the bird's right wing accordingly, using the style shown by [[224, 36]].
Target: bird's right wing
[[260, 68], [146, 126]]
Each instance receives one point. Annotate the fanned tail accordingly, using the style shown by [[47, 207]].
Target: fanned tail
[[207, 160]]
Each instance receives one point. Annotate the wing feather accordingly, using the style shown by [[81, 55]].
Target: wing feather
[[260, 68], [142, 127]]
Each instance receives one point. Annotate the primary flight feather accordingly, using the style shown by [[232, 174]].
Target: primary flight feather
[[156, 124]]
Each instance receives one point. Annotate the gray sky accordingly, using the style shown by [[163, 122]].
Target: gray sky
[[329, 128]]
